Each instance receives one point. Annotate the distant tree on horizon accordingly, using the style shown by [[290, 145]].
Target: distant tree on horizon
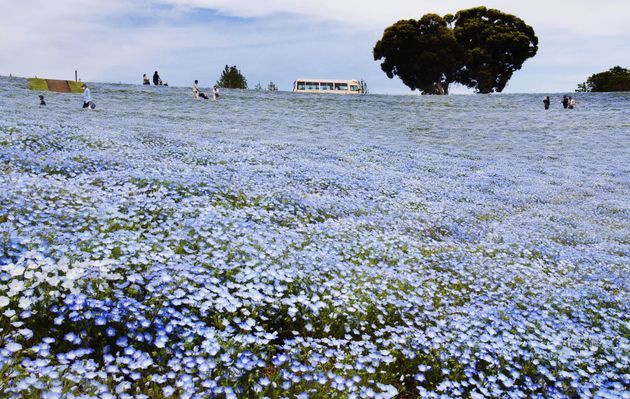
[[232, 78], [272, 86], [615, 79], [477, 47]]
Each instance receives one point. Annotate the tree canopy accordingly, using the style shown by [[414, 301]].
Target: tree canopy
[[422, 53], [478, 47], [615, 79], [232, 78]]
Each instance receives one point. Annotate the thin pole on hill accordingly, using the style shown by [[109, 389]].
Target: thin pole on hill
[[75, 76]]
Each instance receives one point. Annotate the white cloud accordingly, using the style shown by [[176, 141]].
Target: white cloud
[[581, 17], [118, 40]]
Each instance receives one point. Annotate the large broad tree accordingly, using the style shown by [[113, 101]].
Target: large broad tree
[[232, 78], [479, 47], [422, 53], [615, 79], [492, 46]]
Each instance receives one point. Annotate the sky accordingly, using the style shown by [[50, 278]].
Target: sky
[[282, 40]]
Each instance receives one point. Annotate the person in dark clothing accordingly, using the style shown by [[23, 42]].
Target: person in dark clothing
[[41, 100], [197, 93], [546, 102], [565, 101], [156, 78]]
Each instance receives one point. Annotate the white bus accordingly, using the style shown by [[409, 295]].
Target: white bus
[[327, 86]]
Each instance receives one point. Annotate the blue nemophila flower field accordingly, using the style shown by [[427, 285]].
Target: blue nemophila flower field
[[272, 245]]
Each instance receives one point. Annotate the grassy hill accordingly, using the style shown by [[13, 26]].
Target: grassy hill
[[63, 86]]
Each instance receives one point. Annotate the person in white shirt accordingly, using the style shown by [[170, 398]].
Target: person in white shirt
[[87, 97], [215, 93]]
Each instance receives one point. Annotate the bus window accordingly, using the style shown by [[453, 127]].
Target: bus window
[[301, 86], [341, 86], [312, 86], [326, 86], [354, 88]]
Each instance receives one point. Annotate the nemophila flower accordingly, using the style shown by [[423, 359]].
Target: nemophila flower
[[4, 301], [73, 338], [262, 252], [25, 333], [13, 347], [280, 359], [168, 390], [419, 377]]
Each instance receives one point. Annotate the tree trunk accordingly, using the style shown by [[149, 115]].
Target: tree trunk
[[440, 88]]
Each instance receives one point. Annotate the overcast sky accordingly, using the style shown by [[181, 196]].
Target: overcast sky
[[280, 40]]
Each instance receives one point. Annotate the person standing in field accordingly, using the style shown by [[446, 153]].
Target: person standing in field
[[546, 102], [156, 78], [197, 93], [196, 90], [87, 97], [41, 100], [565, 102], [215, 93], [571, 103], [145, 80]]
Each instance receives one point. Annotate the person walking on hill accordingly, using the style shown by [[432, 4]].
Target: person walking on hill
[[156, 78], [546, 102], [145, 80], [565, 102], [87, 97], [197, 93], [215, 93], [571, 104]]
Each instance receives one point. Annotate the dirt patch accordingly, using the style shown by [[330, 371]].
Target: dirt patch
[[60, 86]]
